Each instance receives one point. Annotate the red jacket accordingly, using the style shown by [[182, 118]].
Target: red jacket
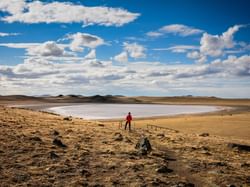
[[129, 117]]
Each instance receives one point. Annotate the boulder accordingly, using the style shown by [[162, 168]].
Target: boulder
[[118, 137], [164, 169], [59, 143], [144, 146], [240, 147]]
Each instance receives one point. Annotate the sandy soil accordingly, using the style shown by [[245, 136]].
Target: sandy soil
[[102, 154]]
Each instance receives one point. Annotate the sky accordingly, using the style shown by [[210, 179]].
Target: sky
[[125, 47]]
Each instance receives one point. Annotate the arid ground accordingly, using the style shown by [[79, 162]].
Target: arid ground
[[43, 149]]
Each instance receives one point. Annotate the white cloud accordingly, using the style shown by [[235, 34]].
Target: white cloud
[[132, 50], [12, 6], [178, 48], [87, 76], [64, 12], [154, 34], [48, 48], [91, 54], [214, 45], [81, 40], [122, 57], [217, 45], [176, 29], [135, 50], [3, 34]]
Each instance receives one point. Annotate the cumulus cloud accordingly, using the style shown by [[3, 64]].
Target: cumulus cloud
[[87, 76], [135, 50], [81, 40], [122, 57], [176, 29], [64, 12], [214, 45], [132, 50], [48, 48]]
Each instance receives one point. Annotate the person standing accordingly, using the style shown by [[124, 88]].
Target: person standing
[[128, 121]]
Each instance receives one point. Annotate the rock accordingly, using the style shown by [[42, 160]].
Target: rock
[[160, 135], [204, 134], [127, 140], [245, 165], [59, 143], [144, 146], [184, 184], [53, 155], [163, 169], [36, 139], [118, 137], [85, 173], [67, 119], [55, 133], [101, 125], [240, 147]]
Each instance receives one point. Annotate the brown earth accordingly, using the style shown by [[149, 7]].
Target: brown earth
[[94, 156]]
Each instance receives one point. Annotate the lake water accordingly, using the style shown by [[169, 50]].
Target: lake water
[[111, 111]]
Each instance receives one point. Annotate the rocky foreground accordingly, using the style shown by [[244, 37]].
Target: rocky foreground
[[41, 149]]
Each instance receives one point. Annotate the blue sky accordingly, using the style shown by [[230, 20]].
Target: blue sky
[[160, 47]]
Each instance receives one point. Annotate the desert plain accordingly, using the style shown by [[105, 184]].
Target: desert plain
[[38, 148]]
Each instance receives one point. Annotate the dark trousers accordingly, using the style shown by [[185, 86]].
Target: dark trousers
[[129, 125]]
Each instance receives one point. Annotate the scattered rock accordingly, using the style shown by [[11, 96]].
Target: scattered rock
[[59, 143], [217, 164], [245, 165], [137, 167], [118, 137], [204, 134], [127, 140], [240, 147], [67, 119], [160, 135], [37, 139], [163, 169], [144, 146], [184, 184], [55, 133], [85, 173], [53, 155]]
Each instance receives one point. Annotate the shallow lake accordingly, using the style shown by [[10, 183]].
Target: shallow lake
[[110, 111]]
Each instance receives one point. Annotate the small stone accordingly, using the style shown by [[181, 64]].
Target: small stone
[[53, 155], [55, 133], [85, 173], [37, 139], [204, 134], [118, 137], [67, 119], [101, 125], [59, 143], [160, 135], [164, 169]]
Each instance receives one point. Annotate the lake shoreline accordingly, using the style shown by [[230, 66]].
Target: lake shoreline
[[51, 108]]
